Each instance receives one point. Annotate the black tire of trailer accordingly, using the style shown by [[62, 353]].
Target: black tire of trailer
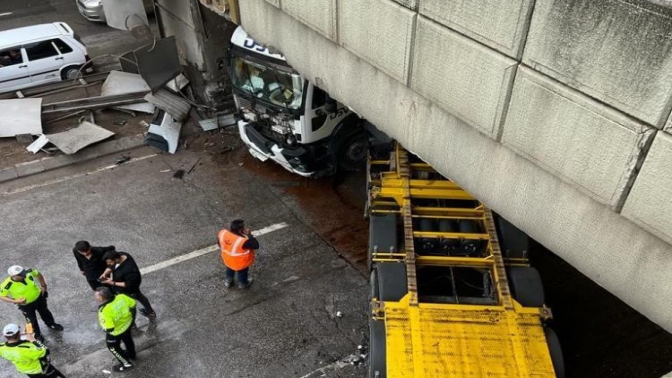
[[392, 282], [377, 349], [555, 350], [514, 243], [352, 152], [526, 286]]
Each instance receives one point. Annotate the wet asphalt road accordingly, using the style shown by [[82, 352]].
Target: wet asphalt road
[[284, 326]]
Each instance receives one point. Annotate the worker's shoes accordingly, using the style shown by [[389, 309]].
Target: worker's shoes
[[123, 367], [39, 338], [143, 312], [56, 327], [245, 286], [228, 284]]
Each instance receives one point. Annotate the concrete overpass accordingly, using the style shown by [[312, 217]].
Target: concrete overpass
[[555, 113]]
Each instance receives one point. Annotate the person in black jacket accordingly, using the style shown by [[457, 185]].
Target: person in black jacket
[[123, 275], [90, 261]]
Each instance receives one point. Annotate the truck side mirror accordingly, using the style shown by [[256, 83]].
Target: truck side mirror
[[330, 105]]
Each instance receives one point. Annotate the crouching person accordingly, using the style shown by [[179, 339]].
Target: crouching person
[[116, 314]]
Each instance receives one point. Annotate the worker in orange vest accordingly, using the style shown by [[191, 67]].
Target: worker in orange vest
[[238, 245]]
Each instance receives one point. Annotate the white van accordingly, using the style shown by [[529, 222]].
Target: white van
[[40, 54]]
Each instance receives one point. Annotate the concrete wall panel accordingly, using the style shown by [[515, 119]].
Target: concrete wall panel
[[186, 38], [619, 255], [650, 201], [462, 76], [500, 24], [379, 31], [573, 136], [274, 2], [179, 9], [412, 4], [318, 14], [618, 51]]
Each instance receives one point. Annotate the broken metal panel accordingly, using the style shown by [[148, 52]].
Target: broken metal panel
[[170, 103], [38, 144], [73, 140], [124, 82], [178, 83], [166, 135], [21, 116], [91, 103], [220, 121], [158, 63]]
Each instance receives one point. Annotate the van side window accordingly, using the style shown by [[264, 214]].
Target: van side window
[[40, 50], [319, 97], [62, 47], [10, 56]]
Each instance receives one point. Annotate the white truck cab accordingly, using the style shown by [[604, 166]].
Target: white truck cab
[[40, 54], [285, 118]]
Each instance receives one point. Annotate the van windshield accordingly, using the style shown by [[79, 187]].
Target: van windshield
[[268, 84]]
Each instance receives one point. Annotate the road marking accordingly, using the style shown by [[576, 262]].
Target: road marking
[[206, 250], [66, 178], [6, 14], [340, 364]]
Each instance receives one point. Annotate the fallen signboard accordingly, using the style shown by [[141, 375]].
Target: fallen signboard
[[73, 140]]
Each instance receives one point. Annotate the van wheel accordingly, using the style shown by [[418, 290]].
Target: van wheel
[[352, 154], [71, 73]]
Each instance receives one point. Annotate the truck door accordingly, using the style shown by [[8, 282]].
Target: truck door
[[13, 69]]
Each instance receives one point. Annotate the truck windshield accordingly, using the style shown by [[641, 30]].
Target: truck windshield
[[268, 84]]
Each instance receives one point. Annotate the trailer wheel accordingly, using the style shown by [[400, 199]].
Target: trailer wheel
[[377, 349], [555, 350], [353, 153], [375, 291], [526, 286]]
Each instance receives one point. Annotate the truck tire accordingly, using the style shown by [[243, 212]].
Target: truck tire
[[382, 235], [353, 152], [377, 349], [555, 350], [375, 291], [526, 286], [513, 242], [392, 282]]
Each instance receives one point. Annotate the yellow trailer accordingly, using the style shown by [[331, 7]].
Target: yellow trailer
[[446, 299]]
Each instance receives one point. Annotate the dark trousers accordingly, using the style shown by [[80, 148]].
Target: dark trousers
[[143, 300], [94, 283], [114, 345], [242, 275], [30, 312], [50, 372]]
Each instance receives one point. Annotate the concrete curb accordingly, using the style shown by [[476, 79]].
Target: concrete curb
[[49, 163]]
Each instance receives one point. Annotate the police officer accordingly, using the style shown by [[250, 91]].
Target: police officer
[[27, 289], [29, 356], [115, 315], [238, 245]]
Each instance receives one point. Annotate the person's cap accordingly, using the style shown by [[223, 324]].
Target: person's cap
[[10, 330], [15, 270]]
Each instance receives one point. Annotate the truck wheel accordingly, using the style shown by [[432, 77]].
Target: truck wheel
[[555, 350], [526, 286], [70, 73], [377, 350], [353, 152], [374, 284]]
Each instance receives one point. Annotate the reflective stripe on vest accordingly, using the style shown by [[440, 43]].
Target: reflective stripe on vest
[[233, 254]]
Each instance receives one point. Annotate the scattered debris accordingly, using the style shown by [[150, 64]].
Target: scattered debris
[[122, 160], [193, 165], [165, 135], [120, 122], [179, 174], [123, 82], [170, 103], [38, 144], [22, 116], [339, 314], [25, 139], [164, 170], [178, 83], [64, 117], [144, 124], [81, 136], [106, 371], [240, 164]]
